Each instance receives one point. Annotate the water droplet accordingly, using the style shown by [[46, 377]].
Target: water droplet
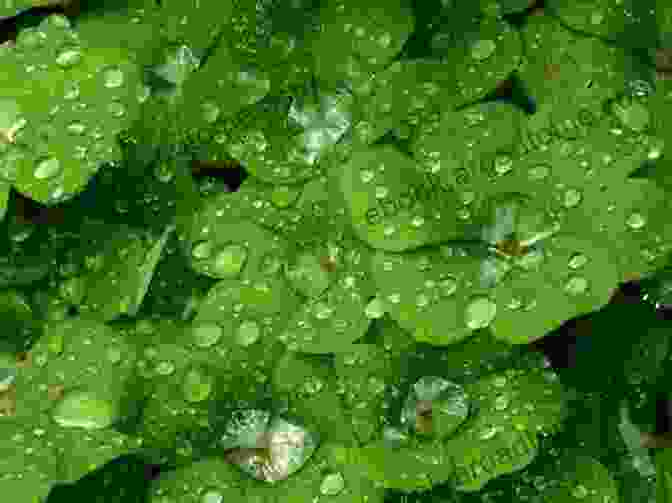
[[209, 496], [572, 198], [538, 172], [82, 409], [480, 312], [332, 485], [381, 192], [636, 221], [47, 168], [488, 432], [210, 112], [501, 402], [448, 287], [202, 250], [483, 49], [230, 260], [68, 58], [206, 334], [580, 491], [576, 285], [375, 308], [577, 260], [76, 128], [113, 77], [197, 385], [635, 116], [503, 164], [248, 333], [165, 368]]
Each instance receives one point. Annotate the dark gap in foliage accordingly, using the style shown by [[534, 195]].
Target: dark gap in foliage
[[519, 19], [228, 171], [126, 478], [28, 211]]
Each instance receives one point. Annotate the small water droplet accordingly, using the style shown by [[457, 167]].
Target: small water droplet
[[572, 198], [113, 77], [332, 484], [480, 312], [576, 285], [483, 49], [230, 260], [248, 333], [577, 260], [68, 58], [636, 221]]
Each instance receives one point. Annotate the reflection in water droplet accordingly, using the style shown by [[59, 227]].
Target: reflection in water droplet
[[480, 312]]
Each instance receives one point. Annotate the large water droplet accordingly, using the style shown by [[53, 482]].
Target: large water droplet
[[571, 198], [480, 312], [248, 333], [69, 58], [483, 49], [113, 77], [636, 221], [197, 385], [206, 334], [230, 260], [577, 260], [332, 484], [576, 285], [82, 409], [375, 308], [47, 168]]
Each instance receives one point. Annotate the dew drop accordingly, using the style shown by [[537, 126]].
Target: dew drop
[[113, 78], [538, 172], [230, 260], [636, 221], [480, 312], [206, 334], [503, 164], [248, 333], [82, 409], [483, 49], [47, 168], [68, 58], [375, 308], [197, 385], [332, 485], [577, 260], [572, 198], [202, 250], [210, 112], [576, 285]]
